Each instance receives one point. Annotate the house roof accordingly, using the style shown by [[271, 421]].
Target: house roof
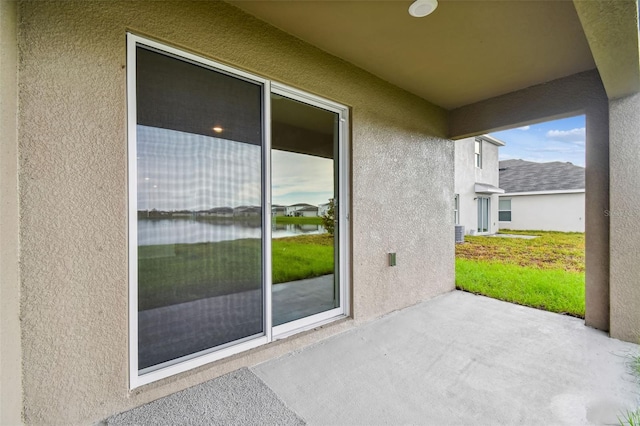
[[469, 51], [528, 176]]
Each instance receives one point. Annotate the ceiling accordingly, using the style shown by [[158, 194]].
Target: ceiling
[[465, 52]]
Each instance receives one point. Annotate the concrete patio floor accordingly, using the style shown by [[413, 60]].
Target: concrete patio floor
[[456, 359]]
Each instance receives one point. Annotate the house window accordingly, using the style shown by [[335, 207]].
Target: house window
[[456, 209], [504, 210], [478, 152], [208, 146]]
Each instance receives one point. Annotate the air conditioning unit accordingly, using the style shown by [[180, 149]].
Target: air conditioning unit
[[459, 234]]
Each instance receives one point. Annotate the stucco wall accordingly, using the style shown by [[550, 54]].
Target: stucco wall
[[551, 212], [10, 348], [624, 217], [73, 158], [467, 175]]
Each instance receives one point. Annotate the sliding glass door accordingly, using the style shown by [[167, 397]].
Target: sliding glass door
[[238, 210], [483, 214], [305, 217]]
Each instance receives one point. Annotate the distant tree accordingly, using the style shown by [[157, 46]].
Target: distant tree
[[329, 218]]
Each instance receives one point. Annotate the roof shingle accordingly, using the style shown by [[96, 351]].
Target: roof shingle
[[527, 176]]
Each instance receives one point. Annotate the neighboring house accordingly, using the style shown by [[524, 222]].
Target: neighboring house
[[542, 196], [310, 211], [247, 211], [357, 84], [278, 210], [476, 184], [301, 209]]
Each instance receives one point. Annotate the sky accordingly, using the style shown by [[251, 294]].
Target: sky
[[184, 171], [300, 178], [558, 140]]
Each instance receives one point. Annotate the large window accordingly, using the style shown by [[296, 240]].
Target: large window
[[216, 159], [504, 210]]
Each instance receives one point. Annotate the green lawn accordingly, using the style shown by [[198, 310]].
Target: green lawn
[[176, 273], [546, 272], [305, 256], [316, 220]]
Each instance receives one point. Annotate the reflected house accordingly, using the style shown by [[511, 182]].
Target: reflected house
[[278, 210], [154, 214], [247, 211], [301, 209], [183, 213], [217, 212]]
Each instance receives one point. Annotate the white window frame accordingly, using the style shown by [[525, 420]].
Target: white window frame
[[488, 212], [456, 209], [502, 210], [477, 153], [136, 379]]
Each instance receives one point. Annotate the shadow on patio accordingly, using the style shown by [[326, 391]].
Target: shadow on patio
[[456, 359]]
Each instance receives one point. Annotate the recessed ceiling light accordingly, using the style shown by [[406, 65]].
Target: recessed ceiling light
[[420, 8], [217, 129]]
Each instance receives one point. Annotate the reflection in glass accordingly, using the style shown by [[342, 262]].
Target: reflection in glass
[[304, 170], [199, 203]]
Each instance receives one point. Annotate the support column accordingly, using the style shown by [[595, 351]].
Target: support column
[[596, 218], [624, 212]]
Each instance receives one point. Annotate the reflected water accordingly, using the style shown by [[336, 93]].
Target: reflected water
[[189, 231]]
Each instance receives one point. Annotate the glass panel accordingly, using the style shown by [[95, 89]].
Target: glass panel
[[199, 203], [504, 216], [483, 214], [504, 204], [485, 220], [305, 241]]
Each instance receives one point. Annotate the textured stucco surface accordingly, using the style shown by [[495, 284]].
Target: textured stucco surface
[[625, 217], [10, 348], [467, 175], [611, 28], [578, 94], [73, 158]]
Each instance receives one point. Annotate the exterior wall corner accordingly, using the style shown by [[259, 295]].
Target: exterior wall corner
[[10, 329]]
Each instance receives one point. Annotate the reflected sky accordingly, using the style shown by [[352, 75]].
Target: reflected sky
[[300, 178], [184, 171]]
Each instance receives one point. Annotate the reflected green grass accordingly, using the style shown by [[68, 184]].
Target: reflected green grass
[[177, 273]]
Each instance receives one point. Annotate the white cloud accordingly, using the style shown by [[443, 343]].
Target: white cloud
[[576, 136], [300, 178], [524, 128]]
